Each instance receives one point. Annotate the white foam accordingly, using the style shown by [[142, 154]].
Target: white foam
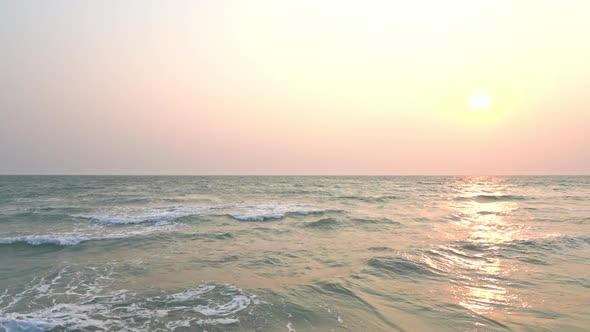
[[169, 214], [93, 303], [237, 304], [272, 211], [37, 240], [141, 215], [217, 321], [10, 325], [190, 294], [257, 216], [83, 235], [173, 325]]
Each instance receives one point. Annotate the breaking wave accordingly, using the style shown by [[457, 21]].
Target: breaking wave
[[141, 215], [261, 212], [275, 212], [37, 240], [75, 238]]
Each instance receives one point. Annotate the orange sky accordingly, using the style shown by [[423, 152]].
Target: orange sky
[[294, 87]]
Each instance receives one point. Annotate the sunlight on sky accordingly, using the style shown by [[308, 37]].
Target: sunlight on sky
[[347, 86], [480, 102]]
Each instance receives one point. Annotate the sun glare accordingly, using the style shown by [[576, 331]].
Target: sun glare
[[480, 102]]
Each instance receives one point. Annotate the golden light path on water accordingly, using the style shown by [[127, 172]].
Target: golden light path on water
[[485, 225]]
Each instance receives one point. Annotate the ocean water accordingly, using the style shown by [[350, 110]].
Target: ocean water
[[294, 253]]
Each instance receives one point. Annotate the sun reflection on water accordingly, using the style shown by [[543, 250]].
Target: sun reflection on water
[[484, 225]]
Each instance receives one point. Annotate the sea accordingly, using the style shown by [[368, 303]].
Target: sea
[[300, 253]]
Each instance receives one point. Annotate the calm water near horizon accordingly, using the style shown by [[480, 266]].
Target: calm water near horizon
[[149, 253]]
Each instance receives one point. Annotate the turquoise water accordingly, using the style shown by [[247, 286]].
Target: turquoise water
[[294, 253]]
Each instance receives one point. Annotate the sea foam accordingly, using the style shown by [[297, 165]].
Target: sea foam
[[37, 240], [93, 303], [141, 215], [274, 211], [84, 235]]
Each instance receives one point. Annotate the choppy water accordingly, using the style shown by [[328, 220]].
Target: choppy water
[[295, 253]]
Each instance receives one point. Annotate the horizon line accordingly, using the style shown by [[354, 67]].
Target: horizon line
[[281, 175]]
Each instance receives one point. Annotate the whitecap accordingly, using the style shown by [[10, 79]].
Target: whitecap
[[273, 211], [262, 212], [83, 235], [217, 321], [290, 327], [37, 240], [141, 215]]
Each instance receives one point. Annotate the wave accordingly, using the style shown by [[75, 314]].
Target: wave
[[492, 198], [75, 238], [235, 303], [397, 266], [325, 223], [370, 199], [333, 289], [261, 212], [142, 215], [275, 212], [37, 240], [168, 214], [363, 221], [93, 303], [15, 324], [37, 216], [548, 243], [469, 257], [333, 223], [379, 249]]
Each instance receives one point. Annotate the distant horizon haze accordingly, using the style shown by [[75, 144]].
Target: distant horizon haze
[[293, 175], [295, 87]]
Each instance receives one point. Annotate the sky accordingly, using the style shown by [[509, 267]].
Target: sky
[[294, 87]]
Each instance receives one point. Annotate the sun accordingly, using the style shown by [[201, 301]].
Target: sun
[[480, 102]]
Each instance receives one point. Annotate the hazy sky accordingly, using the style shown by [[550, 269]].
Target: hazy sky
[[294, 87]]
